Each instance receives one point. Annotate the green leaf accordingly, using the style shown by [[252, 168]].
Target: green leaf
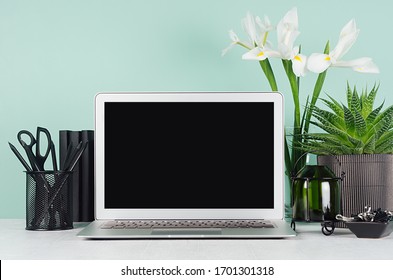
[[388, 150], [356, 143], [317, 90], [349, 120], [323, 137], [387, 112], [371, 117], [287, 157], [385, 137], [330, 117], [306, 109], [332, 130], [334, 106], [358, 151], [355, 102], [323, 122], [360, 124], [385, 148], [384, 126], [368, 102], [323, 149], [383, 121], [349, 96], [385, 140], [369, 147], [327, 48]]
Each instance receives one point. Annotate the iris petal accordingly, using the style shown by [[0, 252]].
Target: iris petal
[[299, 63], [255, 54], [318, 62], [363, 65], [287, 32]]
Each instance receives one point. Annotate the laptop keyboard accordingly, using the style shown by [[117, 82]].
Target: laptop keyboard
[[146, 224]]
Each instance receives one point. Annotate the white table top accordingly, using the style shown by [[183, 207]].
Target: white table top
[[18, 243]]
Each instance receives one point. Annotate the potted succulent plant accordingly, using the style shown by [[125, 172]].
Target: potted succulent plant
[[356, 139]]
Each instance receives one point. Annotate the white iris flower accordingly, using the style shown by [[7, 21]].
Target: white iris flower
[[287, 32], [257, 31], [319, 62]]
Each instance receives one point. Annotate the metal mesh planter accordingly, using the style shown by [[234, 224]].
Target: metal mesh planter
[[368, 181]]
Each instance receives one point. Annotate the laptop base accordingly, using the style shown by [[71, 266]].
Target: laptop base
[[94, 230]]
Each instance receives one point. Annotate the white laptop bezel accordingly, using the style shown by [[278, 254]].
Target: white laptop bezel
[[276, 213]]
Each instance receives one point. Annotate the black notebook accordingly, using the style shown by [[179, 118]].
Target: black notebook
[[83, 176]]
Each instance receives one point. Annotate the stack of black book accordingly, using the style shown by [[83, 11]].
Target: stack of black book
[[83, 177]]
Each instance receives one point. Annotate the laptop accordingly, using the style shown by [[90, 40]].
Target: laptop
[[189, 165]]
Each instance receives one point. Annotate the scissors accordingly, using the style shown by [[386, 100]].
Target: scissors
[[38, 158], [37, 161]]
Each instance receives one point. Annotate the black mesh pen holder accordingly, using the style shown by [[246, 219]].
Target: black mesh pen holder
[[49, 200]]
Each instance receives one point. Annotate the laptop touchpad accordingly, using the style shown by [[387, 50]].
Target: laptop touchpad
[[186, 231]]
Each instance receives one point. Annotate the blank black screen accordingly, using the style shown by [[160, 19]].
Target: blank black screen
[[189, 155]]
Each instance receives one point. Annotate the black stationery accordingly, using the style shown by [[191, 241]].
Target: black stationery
[[48, 191], [83, 177], [87, 177]]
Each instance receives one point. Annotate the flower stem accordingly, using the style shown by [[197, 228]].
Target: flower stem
[[316, 93], [293, 81], [267, 69], [296, 153]]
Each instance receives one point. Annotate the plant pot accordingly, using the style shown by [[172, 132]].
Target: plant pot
[[368, 181]]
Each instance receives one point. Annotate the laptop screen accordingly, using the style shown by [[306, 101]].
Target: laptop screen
[[189, 155]]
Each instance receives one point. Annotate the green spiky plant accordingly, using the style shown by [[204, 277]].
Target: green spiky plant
[[355, 128]]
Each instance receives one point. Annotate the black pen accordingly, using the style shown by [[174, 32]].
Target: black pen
[[71, 152], [76, 157], [19, 156]]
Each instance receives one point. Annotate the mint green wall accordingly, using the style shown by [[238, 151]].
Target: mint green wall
[[56, 55]]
